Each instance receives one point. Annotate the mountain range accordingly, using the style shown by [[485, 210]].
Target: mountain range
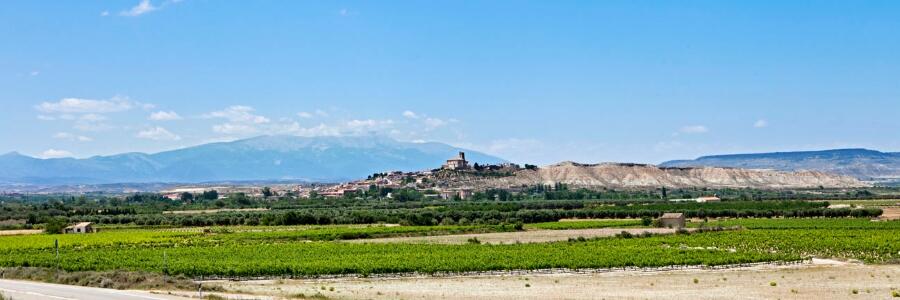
[[863, 164], [319, 159]]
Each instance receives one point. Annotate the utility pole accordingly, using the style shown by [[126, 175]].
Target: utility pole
[[56, 245], [165, 267]]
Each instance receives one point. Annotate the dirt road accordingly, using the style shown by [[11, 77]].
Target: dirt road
[[797, 282]]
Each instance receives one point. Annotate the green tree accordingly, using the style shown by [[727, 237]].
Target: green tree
[[55, 225]]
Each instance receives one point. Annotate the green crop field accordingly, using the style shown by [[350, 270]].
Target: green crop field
[[270, 251]]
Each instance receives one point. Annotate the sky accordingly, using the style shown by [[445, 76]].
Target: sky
[[529, 81]]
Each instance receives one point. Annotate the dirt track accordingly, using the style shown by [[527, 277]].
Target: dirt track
[[533, 236], [20, 231], [769, 282]]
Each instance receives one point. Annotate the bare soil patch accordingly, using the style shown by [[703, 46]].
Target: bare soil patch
[[810, 281], [531, 236], [20, 231], [890, 213]]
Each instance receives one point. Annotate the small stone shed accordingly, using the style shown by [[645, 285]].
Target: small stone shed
[[83, 227], [672, 220]]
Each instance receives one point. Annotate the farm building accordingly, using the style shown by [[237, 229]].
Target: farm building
[[672, 220], [708, 199], [83, 227]]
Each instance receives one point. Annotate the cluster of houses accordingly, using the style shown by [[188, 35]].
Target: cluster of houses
[[412, 180]]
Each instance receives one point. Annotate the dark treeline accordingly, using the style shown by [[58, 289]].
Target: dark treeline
[[488, 215], [412, 207]]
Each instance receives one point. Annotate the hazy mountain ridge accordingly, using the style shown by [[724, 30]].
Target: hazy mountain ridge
[[624, 175], [863, 164], [261, 158]]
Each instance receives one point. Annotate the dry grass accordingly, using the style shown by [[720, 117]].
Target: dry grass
[[20, 231], [120, 280]]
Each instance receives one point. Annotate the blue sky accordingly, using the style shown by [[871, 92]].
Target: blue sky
[[531, 81]]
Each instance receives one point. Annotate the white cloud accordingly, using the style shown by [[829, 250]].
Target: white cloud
[[158, 134], [77, 105], [71, 137], [92, 118], [694, 129], [141, 8], [761, 123], [34, 73], [304, 115], [239, 114], [410, 114], [320, 130], [46, 118], [346, 12], [164, 116], [104, 13], [54, 153], [321, 113], [234, 128], [359, 126], [433, 123], [89, 122]]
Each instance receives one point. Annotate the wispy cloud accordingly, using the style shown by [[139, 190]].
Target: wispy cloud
[[72, 137], [158, 134], [760, 123], [232, 128], [164, 116], [694, 129], [238, 113], [346, 12], [410, 114], [79, 105], [141, 8], [54, 153]]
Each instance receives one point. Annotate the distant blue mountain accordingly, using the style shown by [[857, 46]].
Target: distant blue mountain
[[324, 159], [863, 164]]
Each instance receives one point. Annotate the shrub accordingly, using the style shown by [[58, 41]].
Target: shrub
[[474, 240], [772, 283], [646, 221], [55, 225]]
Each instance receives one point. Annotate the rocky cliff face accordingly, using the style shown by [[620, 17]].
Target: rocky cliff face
[[616, 175]]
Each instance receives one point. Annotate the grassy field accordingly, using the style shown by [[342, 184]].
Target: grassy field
[[867, 203], [272, 251]]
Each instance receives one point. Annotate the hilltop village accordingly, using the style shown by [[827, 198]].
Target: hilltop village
[[449, 181], [446, 182]]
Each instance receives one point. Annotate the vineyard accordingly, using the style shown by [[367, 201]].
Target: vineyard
[[301, 251]]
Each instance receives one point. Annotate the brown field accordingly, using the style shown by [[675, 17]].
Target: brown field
[[531, 236], [890, 213], [810, 281], [20, 231]]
